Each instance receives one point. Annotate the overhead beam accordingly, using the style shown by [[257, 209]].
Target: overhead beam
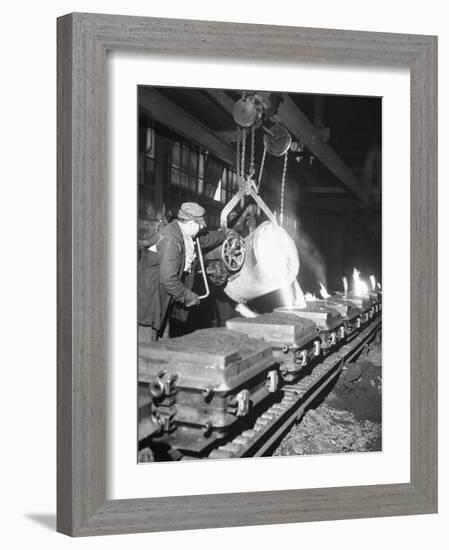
[[300, 126], [222, 99], [174, 117], [227, 136]]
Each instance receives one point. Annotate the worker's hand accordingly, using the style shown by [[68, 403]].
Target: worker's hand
[[231, 233], [193, 300]]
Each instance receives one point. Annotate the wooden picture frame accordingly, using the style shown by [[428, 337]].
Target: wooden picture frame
[[83, 40]]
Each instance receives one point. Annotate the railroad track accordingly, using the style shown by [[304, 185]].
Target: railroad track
[[272, 425]]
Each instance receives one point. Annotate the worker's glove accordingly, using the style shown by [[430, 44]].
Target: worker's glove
[[193, 300]]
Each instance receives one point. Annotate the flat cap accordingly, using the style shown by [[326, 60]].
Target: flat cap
[[192, 211]]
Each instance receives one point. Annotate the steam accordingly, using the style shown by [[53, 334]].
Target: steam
[[345, 285], [310, 256]]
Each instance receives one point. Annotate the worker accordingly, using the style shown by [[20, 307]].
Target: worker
[[166, 271]]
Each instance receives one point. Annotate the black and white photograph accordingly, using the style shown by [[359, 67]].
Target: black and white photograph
[[226, 334], [259, 274]]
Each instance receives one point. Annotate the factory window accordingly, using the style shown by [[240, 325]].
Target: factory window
[[217, 196], [227, 185], [147, 180], [198, 176], [186, 173]]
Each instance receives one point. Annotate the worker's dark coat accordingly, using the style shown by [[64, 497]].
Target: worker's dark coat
[[161, 276]]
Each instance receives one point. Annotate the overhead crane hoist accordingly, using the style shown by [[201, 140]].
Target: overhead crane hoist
[[249, 114], [267, 259]]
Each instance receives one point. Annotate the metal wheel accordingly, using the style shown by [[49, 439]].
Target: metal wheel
[[233, 252]]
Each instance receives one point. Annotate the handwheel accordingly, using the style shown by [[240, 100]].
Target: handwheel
[[233, 252]]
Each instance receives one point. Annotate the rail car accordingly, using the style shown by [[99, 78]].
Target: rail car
[[230, 392]]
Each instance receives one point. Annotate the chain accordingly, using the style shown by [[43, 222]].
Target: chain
[[252, 169], [261, 166], [284, 174], [242, 167], [238, 155]]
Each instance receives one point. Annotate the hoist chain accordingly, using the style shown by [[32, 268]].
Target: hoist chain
[[242, 167], [252, 169], [284, 174], [238, 156], [262, 162]]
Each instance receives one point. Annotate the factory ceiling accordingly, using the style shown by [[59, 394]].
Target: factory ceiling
[[340, 164]]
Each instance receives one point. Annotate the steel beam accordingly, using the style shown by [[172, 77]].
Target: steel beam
[[168, 113], [301, 127]]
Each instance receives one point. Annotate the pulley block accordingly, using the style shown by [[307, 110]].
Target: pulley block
[[278, 140], [245, 112]]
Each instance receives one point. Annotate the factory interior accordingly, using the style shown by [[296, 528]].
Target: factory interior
[[187, 152], [308, 165]]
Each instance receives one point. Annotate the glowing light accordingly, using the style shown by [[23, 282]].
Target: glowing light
[[276, 254], [287, 295], [309, 297], [217, 196], [245, 311], [293, 296], [373, 281], [324, 294], [300, 300], [345, 285], [379, 285], [360, 287]]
